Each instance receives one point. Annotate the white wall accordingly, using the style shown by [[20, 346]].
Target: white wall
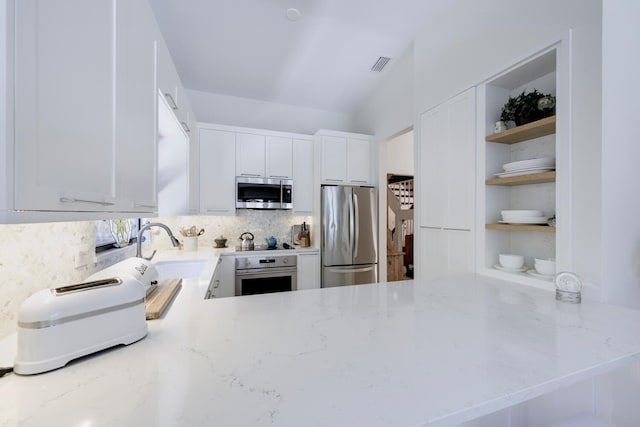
[[252, 113], [389, 109], [462, 51], [621, 152], [398, 154]]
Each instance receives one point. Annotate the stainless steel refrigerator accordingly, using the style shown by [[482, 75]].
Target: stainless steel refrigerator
[[349, 236]]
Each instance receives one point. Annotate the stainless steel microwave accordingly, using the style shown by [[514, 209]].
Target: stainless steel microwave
[[264, 193]]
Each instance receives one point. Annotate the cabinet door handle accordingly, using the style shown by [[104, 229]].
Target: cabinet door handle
[[140, 205], [97, 202], [333, 180], [217, 210], [216, 284], [278, 176], [250, 174], [359, 181], [172, 102], [185, 127]]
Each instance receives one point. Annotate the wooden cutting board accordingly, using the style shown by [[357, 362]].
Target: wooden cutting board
[[158, 300]]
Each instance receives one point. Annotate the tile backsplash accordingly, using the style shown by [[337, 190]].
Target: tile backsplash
[[261, 223], [38, 256]]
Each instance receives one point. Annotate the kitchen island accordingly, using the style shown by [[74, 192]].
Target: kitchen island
[[412, 353]]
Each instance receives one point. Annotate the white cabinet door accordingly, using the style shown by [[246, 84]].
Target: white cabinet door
[[303, 176], [358, 161], [444, 252], [446, 177], [333, 159], [460, 250], [223, 282], [194, 170], [432, 169], [136, 109], [308, 270], [250, 155], [433, 253], [461, 160], [279, 157], [65, 140], [217, 172]]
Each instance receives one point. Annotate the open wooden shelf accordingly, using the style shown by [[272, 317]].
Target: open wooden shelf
[[522, 133], [534, 178], [521, 227]]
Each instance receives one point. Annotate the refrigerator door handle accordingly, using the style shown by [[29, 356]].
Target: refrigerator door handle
[[356, 222], [343, 270], [351, 227]]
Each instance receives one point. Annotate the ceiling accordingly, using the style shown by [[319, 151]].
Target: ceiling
[[248, 48]]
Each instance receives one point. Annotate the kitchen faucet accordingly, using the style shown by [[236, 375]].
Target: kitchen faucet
[[174, 241]]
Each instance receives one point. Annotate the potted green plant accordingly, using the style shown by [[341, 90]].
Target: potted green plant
[[528, 107]]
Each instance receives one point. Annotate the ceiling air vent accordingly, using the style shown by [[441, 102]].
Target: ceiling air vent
[[380, 63]]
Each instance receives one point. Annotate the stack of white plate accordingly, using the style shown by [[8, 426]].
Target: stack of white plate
[[526, 167], [523, 217]]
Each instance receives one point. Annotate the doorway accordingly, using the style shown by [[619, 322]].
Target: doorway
[[398, 152]]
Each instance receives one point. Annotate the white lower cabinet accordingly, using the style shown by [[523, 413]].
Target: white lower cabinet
[[308, 270], [444, 252], [223, 282], [217, 172]]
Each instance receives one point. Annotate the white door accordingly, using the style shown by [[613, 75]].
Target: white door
[[302, 176], [65, 140], [250, 155], [279, 157], [358, 161], [333, 160], [217, 172]]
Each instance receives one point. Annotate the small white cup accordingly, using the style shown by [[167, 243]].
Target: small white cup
[[511, 261], [500, 126], [190, 244], [545, 266]]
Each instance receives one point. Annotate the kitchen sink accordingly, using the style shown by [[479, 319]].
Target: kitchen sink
[[180, 269]]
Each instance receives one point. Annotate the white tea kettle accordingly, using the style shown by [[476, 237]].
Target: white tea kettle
[[247, 242]]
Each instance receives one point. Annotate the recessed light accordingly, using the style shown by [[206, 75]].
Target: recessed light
[[293, 14]]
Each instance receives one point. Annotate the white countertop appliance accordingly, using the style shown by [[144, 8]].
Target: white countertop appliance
[[58, 325]]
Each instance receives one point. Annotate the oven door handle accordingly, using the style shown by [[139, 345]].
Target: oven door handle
[[270, 271]]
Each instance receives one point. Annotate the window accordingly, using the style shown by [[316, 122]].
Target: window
[[104, 238]]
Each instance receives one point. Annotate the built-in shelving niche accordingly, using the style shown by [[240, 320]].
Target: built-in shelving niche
[[525, 192]]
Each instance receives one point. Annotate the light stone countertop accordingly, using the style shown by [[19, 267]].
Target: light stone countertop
[[434, 353]]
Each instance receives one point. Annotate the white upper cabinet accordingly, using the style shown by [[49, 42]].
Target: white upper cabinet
[[279, 157], [250, 155], [303, 176], [333, 159], [85, 109], [65, 136], [447, 164], [136, 98], [217, 172], [345, 158], [359, 161]]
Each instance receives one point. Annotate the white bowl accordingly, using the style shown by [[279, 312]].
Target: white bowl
[[511, 261], [521, 212], [545, 266]]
